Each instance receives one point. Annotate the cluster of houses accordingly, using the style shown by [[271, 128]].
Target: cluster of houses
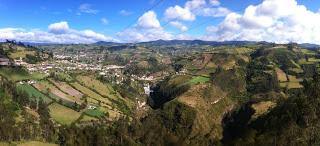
[[79, 56], [65, 65]]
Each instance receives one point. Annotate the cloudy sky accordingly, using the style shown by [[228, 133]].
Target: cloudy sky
[[69, 21]]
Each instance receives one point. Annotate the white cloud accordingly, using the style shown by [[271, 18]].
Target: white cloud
[[87, 8], [214, 2], [179, 25], [213, 12], [211, 8], [54, 35], [195, 4], [179, 13], [184, 37], [138, 35], [147, 28], [59, 28], [193, 8], [104, 21], [125, 13], [273, 20], [148, 20]]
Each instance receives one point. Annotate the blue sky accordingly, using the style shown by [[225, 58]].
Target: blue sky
[[110, 19]]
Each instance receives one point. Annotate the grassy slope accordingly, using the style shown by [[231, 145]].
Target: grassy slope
[[94, 112], [101, 88], [33, 92], [19, 74], [106, 106], [72, 93], [22, 54], [86, 118], [90, 93], [106, 90], [281, 75], [198, 79], [54, 91], [62, 114]]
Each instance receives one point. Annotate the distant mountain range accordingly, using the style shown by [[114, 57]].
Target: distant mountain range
[[196, 42], [199, 42], [181, 42], [109, 43], [307, 45]]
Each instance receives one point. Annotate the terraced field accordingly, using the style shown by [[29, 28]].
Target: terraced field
[[105, 90], [93, 98], [296, 70], [91, 94], [86, 118], [33, 92], [67, 88], [101, 88], [15, 74], [22, 54], [95, 112], [64, 87], [62, 114], [308, 52], [293, 83], [198, 79], [281, 75], [304, 61], [46, 87]]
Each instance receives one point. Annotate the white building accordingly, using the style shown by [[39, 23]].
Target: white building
[[147, 90]]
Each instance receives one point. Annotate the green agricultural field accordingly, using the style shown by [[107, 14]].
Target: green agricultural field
[[93, 98], [180, 79], [281, 75], [63, 77], [22, 54], [94, 113], [62, 114], [101, 88], [54, 92], [104, 90], [313, 60], [198, 79], [86, 118], [303, 61], [66, 88], [294, 79], [296, 70], [16, 74], [90, 93], [241, 50], [291, 85], [33, 92], [308, 52]]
